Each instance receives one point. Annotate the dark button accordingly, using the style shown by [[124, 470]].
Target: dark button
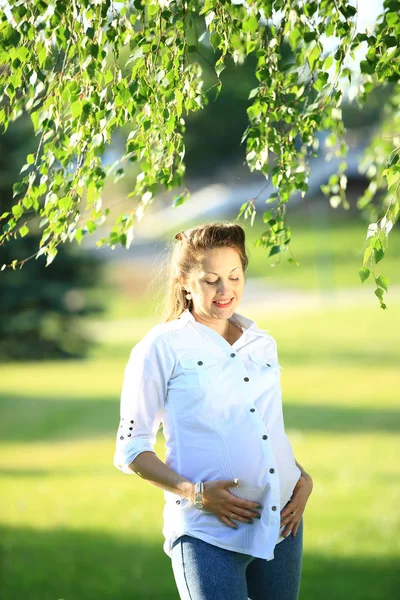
[[122, 437], [246, 379], [132, 421], [129, 434], [252, 410], [233, 355], [265, 437], [273, 507], [200, 362], [272, 470], [130, 428], [178, 501], [268, 365]]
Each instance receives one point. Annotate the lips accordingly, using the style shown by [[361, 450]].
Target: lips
[[223, 304]]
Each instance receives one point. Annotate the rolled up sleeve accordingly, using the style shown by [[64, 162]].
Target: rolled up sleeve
[[143, 396]]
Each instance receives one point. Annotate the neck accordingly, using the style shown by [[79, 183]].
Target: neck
[[221, 326]]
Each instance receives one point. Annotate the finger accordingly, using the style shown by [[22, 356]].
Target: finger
[[247, 504], [287, 512], [248, 514], [288, 525], [287, 529], [286, 518], [295, 528], [228, 522], [297, 516], [236, 517], [292, 526], [287, 509], [285, 532]]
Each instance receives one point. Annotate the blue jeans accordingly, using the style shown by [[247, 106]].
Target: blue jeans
[[206, 572]]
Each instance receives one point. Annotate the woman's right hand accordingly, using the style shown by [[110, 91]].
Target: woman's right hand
[[218, 499]]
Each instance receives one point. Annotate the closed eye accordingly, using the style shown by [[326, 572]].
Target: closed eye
[[214, 282]]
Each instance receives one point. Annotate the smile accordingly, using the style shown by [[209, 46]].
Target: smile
[[223, 304]]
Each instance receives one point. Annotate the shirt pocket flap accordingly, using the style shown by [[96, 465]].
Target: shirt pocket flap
[[264, 360], [197, 362]]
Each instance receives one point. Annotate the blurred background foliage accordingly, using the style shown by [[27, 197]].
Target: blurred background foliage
[[41, 308]]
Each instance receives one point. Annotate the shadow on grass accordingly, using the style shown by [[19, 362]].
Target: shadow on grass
[[30, 419], [338, 357], [82, 565], [87, 565], [340, 419]]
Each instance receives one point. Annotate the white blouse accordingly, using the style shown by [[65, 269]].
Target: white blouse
[[221, 409]]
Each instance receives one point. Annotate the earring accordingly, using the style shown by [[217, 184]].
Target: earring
[[188, 296]]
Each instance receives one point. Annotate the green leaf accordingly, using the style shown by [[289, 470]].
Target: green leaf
[[76, 109], [41, 55], [347, 10], [382, 282], [367, 254], [321, 81], [274, 250], [366, 67], [108, 76], [392, 18], [313, 56], [23, 230], [379, 253], [294, 38], [310, 36], [50, 256], [250, 24], [180, 198], [219, 68], [364, 273], [17, 210], [91, 226]]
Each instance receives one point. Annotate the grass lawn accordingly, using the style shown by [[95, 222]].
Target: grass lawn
[[74, 528]]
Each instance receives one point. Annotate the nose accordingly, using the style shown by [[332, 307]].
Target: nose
[[223, 288]]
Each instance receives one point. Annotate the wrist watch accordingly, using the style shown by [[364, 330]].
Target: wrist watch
[[198, 495]]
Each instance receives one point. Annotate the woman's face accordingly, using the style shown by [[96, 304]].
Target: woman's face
[[216, 284]]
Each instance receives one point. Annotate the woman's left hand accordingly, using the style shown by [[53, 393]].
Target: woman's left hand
[[296, 504]]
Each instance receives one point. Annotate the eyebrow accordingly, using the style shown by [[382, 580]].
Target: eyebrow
[[217, 273]]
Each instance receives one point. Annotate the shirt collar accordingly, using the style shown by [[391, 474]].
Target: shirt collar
[[247, 324]]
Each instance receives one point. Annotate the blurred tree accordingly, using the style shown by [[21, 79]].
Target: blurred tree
[[40, 308], [83, 70]]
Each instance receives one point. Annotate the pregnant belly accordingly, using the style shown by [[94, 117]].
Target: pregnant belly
[[252, 493]]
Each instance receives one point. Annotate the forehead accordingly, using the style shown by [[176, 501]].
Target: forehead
[[218, 260]]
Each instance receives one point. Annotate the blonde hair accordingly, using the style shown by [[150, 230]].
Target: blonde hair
[[184, 254]]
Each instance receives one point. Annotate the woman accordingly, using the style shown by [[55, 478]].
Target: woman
[[232, 487]]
